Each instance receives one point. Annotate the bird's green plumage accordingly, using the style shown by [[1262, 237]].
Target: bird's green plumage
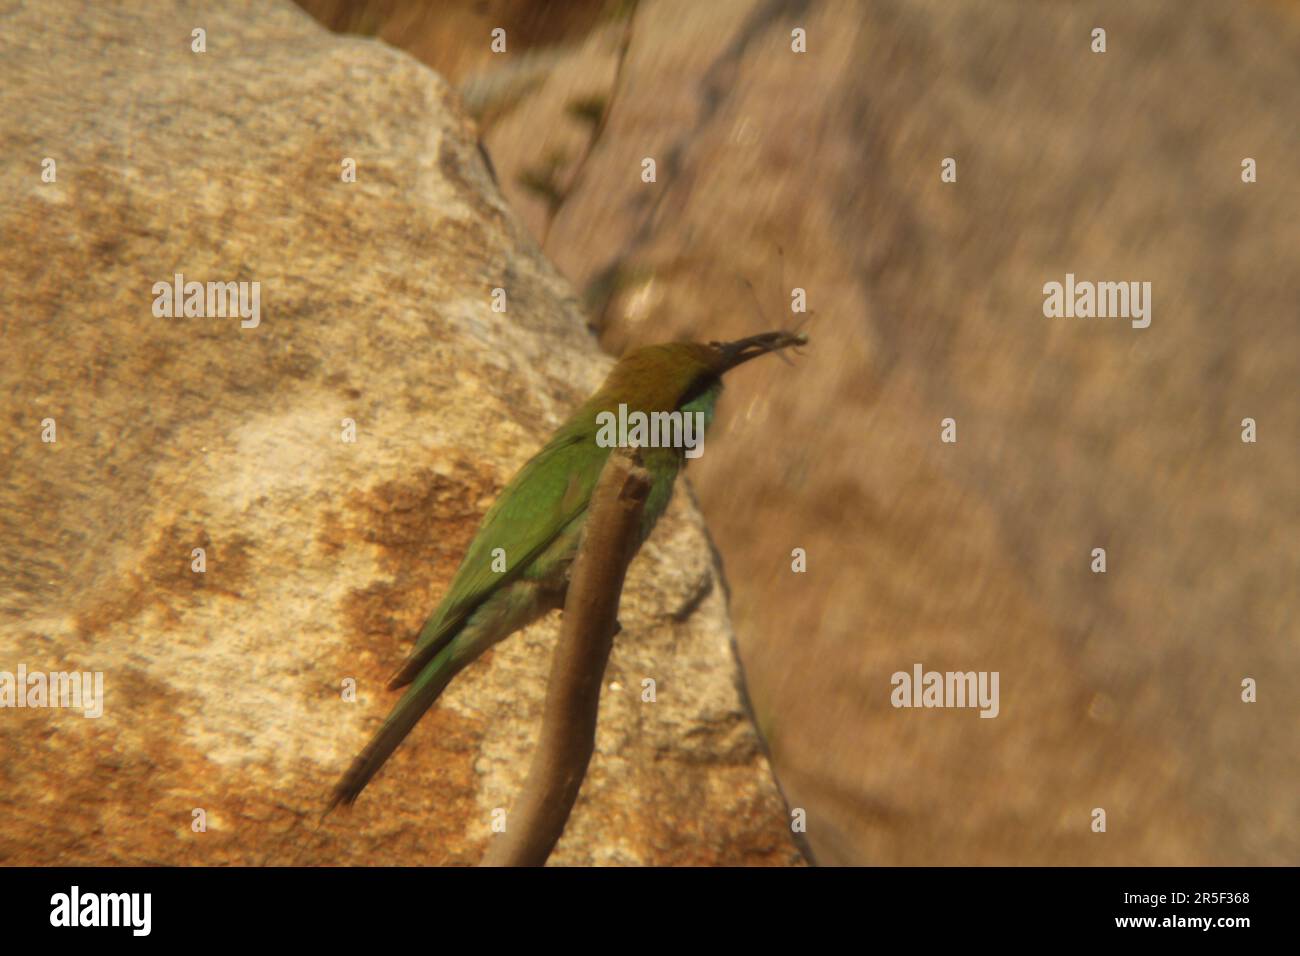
[[537, 523]]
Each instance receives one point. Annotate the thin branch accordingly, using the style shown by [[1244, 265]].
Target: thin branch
[[568, 734]]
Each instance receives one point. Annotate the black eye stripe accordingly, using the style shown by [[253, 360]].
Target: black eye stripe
[[703, 382]]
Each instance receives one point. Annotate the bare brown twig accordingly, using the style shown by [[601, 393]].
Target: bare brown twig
[[568, 734]]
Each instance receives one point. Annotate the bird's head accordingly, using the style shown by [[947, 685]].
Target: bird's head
[[668, 377]]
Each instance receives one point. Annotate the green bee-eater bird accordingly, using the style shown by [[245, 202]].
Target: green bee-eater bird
[[538, 519]]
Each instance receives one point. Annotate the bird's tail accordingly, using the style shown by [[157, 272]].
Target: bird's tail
[[431, 682]]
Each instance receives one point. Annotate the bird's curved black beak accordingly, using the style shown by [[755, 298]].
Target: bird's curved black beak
[[731, 354]]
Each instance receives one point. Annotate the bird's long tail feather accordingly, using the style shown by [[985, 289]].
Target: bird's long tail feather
[[431, 682]]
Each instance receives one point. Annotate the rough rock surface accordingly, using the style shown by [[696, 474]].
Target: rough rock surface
[[223, 688], [1119, 691]]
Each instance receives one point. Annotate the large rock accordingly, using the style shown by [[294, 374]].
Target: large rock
[[223, 689], [1119, 691]]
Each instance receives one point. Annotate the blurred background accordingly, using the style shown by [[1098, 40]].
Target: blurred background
[[821, 171], [214, 140]]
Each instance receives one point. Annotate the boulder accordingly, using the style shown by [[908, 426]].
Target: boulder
[[327, 463]]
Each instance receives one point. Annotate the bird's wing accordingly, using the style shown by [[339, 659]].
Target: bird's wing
[[546, 494]]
